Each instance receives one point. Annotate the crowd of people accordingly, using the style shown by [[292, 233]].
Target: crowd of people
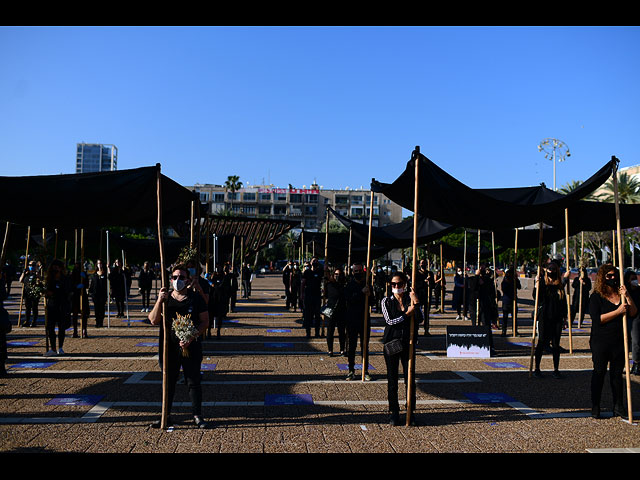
[[334, 299]]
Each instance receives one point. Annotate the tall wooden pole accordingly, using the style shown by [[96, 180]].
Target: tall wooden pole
[[82, 290], [442, 282], [165, 321], [464, 277], [581, 265], [566, 249], [476, 321], [622, 299], [411, 387], [326, 263], [514, 314], [349, 254], [365, 335], [535, 308], [26, 262], [108, 283]]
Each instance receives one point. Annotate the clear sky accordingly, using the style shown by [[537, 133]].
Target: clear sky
[[338, 105]]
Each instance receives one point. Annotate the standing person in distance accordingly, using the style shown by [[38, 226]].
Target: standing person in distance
[[356, 292], [117, 281], [397, 310], [182, 299], [507, 287], [58, 305], [79, 283], [145, 284], [607, 336], [552, 315], [583, 282], [30, 278], [311, 293], [458, 293], [286, 278], [295, 282], [98, 292], [423, 285], [336, 301]]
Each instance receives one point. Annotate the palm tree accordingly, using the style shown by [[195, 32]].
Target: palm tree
[[290, 241], [233, 184], [628, 190]]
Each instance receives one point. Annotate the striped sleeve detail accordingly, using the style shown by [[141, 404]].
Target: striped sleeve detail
[[385, 314]]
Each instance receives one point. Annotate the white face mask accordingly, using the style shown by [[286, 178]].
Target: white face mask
[[177, 284], [398, 290]]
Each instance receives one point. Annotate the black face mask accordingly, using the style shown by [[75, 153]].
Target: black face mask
[[552, 274], [612, 282]]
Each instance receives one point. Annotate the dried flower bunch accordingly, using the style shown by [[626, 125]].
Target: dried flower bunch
[[185, 330]]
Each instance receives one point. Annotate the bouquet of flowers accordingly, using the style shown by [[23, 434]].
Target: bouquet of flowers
[[185, 330], [34, 290]]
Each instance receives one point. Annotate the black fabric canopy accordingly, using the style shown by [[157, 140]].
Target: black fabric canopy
[[447, 200], [397, 235], [587, 216], [125, 198]]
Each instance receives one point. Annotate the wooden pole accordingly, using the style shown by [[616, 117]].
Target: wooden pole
[[26, 262], [476, 321], [326, 264], [206, 266], [365, 336], [349, 254], [165, 321], [566, 249], [514, 314], [581, 265], [622, 299], [535, 308], [442, 282], [108, 284], [82, 306], [464, 277], [414, 270]]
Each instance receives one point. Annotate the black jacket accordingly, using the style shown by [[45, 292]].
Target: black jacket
[[398, 323]]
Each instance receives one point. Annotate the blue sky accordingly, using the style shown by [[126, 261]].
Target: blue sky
[[338, 105]]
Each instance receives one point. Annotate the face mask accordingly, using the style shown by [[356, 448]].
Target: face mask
[[177, 284], [192, 271], [30, 267], [634, 283], [398, 290], [611, 282]]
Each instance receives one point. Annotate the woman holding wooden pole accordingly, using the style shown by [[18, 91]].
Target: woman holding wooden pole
[[366, 327]]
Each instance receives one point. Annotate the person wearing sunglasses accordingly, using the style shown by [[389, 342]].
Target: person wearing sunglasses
[[336, 301], [182, 300], [356, 293], [397, 310], [607, 309], [552, 315]]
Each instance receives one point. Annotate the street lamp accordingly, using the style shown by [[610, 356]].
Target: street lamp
[[554, 149]]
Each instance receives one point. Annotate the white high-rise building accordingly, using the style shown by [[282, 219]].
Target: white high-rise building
[[95, 157]]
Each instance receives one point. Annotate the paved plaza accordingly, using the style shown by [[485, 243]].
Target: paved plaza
[[269, 389]]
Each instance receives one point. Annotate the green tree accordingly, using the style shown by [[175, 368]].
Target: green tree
[[628, 190], [232, 184]]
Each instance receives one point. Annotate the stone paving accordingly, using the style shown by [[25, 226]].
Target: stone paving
[[269, 389]]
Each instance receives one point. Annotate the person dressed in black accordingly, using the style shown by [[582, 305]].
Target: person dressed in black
[[246, 280], [397, 310], [336, 301], [9, 273], [423, 285], [58, 305], [218, 303], [510, 286], [379, 287], [633, 288], [458, 293], [311, 293], [583, 282], [294, 284], [4, 321], [31, 279], [607, 309], [552, 315], [79, 300], [356, 292], [98, 292], [117, 284], [184, 300], [145, 283], [286, 278], [488, 314]]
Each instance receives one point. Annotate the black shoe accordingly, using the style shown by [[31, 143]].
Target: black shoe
[[635, 369], [619, 412], [537, 373], [556, 374], [200, 423], [158, 423], [394, 421]]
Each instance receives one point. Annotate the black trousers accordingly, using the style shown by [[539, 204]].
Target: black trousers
[[603, 354], [393, 366], [146, 297], [99, 308], [191, 370], [355, 330], [549, 331], [31, 305], [56, 318], [312, 316], [336, 321]]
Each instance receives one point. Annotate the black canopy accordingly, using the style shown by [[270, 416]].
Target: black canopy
[[445, 199], [397, 235], [124, 198]]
